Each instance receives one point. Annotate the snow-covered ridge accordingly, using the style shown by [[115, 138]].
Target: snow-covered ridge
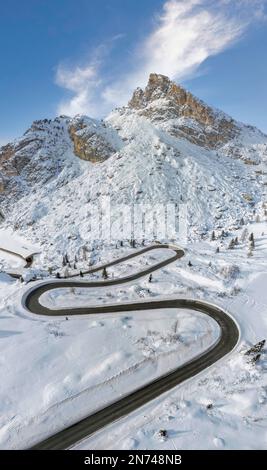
[[133, 157]]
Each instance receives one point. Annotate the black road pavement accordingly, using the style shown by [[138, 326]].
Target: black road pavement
[[123, 406]]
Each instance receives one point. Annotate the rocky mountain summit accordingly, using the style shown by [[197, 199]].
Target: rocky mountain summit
[[165, 146], [188, 117]]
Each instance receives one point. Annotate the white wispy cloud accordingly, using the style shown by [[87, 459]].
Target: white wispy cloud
[[83, 82], [185, 34]]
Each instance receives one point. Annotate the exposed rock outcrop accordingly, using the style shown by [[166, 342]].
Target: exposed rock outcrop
[[138, 160], [33, 159], [91, 139], [164, 101]]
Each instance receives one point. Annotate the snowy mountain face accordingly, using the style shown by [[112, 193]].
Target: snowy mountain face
[[165, 146], [178, 112], [182, 115]]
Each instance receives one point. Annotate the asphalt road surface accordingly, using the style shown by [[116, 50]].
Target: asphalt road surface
[[28, 259], [229, 336]]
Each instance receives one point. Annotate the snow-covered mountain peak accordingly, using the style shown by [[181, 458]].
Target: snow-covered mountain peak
[[165, 147], [182, 114], [160, 87]]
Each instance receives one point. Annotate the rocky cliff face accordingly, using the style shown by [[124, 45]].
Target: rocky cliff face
[[93, 140], [47, 150], [165, 146], [164, 101], [39, 156]]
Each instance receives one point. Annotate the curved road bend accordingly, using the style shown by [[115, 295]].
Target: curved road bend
[[28, 259], [123, 406]]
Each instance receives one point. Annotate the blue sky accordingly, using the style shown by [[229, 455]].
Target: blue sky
[[61, 56]]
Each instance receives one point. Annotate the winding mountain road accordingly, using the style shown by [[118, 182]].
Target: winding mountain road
[[27, 259], [228, 339]]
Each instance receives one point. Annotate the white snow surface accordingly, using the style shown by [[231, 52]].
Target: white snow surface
[[148, 166], [16, 244], [235, 387], [74, 366], [14, 249], [56, 370]]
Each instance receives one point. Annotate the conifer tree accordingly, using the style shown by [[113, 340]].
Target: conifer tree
[[252, 244], [104, 273], [231, 244]]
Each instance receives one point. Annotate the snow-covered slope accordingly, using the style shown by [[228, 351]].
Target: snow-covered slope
[[165, 146]]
